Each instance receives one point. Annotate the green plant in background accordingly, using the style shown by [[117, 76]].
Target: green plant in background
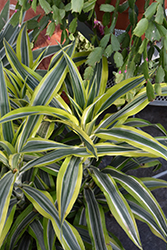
[[131, 54], [53, 192]]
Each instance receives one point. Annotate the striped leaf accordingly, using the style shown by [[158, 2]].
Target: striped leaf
[[20, 225], [96, 222], [76, 81], [21, 70], [22, 112], [123, 150], [136, 138], [36, 231], [48, 234], [23, 48], [43, 203], [8, 224], [136, 105], [137, 122], [139, 191], [14, 160], [142, 215], [38, 110], [101, 77], [54, 156], [7, 147], [6, 188], [117, 91], [68, 185], [7, 128], [117, 204], [153, 183], [4, 159], [44, 93], [14, 80]]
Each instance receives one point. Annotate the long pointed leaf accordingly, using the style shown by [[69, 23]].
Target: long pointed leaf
[[117, 91], [44, 93], [23, 48], [95, 220], [136, 188], [77, 83], [7, 129], [136, 138], [36, 230], [117, 204], [43, 203], [68, 185], [21, 70], [6, 188], [144, 216], [20, 225]]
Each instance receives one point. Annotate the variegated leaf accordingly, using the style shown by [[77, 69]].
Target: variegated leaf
[[6, 188], [136, 138], [42, 201], [7, 128], [23, 48], [117, 204], [76, 81], [96, 222], [20, 225], [68, 185], [137, 189]]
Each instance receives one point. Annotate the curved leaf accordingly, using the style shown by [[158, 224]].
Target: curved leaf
[[20, 225], [117, 91], [96, 222], [136, 138], [6, 188], [144, 216], [68, 185], [77, 83], [43, 203], [137, 189], [36, 230], [7, 129], [117, 204], [23, 48]]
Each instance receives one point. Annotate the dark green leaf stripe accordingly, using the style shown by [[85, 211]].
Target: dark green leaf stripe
[[55, 156], [137, 104], [7, 147], [20, 225], [6, 187], [136, 188], [143, 215], [117, 204], [23, 48], [4, 159], [36, 230], [70, 238], [94, 221], [7, 128], [77, 83], [68, 185], [39, 145], [135, 138], [112, 149], [118, 90], [23, 72], [153, 183]]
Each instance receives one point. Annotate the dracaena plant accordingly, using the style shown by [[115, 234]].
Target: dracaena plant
[[53, 194]]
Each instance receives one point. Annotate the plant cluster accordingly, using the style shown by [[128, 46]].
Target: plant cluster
[[54, 194]]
